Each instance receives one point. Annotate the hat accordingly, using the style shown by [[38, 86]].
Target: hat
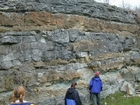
[[97, 73]]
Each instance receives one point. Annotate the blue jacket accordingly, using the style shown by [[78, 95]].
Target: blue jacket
[[72, 97], [27, 103], [95, 85]]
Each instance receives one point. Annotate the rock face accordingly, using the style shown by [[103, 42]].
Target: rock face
[[47, 44]]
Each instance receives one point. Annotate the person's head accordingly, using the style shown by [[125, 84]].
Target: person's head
[[97, 73], [73, 85], [18, 94]]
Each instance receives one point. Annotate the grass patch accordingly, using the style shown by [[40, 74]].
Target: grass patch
[[120, 99]]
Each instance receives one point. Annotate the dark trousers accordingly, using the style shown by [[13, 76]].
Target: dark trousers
[[96, 98]]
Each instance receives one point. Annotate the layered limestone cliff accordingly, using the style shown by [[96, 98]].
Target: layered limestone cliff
[[47, 44]]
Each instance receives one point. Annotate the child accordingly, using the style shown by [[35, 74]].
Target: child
[[18, 97]]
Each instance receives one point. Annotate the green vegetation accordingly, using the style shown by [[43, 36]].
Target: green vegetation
[[120, 99]]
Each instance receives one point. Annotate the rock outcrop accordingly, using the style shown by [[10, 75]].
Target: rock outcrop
[[47, 44]]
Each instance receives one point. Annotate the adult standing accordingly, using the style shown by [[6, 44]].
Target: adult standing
[[95, 88], [72, 96]]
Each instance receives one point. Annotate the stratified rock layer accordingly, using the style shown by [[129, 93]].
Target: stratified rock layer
[[47, 44]]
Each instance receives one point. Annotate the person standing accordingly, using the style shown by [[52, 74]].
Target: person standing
[[18, 96], [95, 87], [72, 96]]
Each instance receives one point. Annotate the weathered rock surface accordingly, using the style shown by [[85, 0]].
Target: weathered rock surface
[[47, 44]]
